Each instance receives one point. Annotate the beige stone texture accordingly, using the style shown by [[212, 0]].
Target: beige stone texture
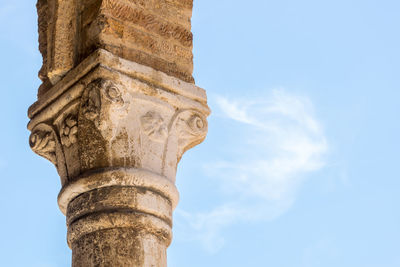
[[154, 33], [116, 111]]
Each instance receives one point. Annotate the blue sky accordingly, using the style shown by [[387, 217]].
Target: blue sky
[[301, 166]]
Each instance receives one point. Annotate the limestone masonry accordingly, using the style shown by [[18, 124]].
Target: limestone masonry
[[115, 112]]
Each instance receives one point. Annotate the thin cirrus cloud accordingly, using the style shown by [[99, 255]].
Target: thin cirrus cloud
[[279, 143]]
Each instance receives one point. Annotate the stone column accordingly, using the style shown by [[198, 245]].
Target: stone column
[[115, 112]]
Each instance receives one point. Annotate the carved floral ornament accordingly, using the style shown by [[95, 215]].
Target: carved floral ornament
[[190, 124], [69, 130], [154, 126], [113, 93]]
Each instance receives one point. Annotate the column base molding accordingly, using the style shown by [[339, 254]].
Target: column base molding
[[123, 177]]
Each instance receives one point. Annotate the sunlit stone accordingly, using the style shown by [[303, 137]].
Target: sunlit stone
[[116, 111]]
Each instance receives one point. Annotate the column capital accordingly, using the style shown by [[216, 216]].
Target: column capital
[[110, 113]]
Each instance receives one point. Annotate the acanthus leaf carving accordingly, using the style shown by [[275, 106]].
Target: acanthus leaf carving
[[103, 94], [91, 101], [105, 103]]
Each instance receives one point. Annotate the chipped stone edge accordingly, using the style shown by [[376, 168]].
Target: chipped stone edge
[[108, 60]]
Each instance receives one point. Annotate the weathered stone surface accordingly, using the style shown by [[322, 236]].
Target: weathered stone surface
[[116, 111], [119, 226], [122, 247], [154, 33], [118, 114]]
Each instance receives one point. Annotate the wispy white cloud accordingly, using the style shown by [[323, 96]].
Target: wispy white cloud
[[283, 144]]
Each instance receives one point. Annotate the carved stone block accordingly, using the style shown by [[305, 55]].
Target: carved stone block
[[155, 33]]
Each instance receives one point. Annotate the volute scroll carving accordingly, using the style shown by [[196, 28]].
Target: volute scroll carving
[[43, 143], [191, 127], [187, 128]]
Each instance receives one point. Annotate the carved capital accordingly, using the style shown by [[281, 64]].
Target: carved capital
[[118, 116]]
